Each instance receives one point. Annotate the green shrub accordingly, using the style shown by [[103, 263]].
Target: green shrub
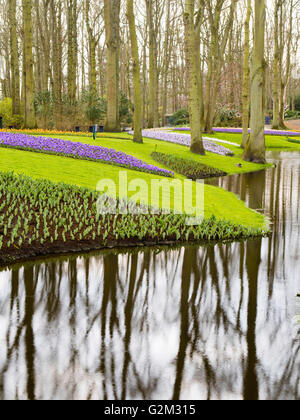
[[297, 103], [43, 103], [94, 107], [292, 115], [8, 119], [190, 168], [228, 117], [295, 141], [125, 109], [181, 117]]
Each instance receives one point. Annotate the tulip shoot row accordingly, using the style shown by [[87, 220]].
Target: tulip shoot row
[[39, 214]]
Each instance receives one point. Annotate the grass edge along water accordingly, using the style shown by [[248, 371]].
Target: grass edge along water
[[39, 217]]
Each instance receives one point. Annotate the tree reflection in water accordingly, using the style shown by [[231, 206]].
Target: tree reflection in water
[[211, 322]]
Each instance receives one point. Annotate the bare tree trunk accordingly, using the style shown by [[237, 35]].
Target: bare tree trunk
[[196, 130], [153, 75], [14, 59], [199, 72], [57, 60], [29, 114], [246, 77], [166, 65], [286, 72], [219, 60], [72, 49], [214, 19], [144, 76], [102, 70], [92, 49], [281, 71], [112, 29], [138, 138], [256, 149], [275, 124]]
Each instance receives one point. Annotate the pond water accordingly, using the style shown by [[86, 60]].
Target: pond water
[[209, 322]]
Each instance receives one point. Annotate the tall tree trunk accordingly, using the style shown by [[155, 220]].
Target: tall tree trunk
[[92, 49], [199, 71], [144, 71], [214, 20], [29, 114], [57, 60], [207, 103], [45, 42], [286, 72], [275, 125], [246, 77], [196, 130], [219, 49], [138, 111], [72, 49], [39, 73], [256, 149], [112, 30], [153, 72], [14, 59], [166, 65], [102, 71], [281, 70]]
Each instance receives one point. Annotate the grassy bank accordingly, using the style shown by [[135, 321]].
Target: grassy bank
[[144, 151], [220, 203], [39, 217]]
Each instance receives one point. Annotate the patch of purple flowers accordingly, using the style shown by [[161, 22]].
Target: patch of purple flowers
[[79, 151], [240, 131], [185, 140]]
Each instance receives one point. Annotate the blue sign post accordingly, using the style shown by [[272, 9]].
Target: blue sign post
[[95, 129]]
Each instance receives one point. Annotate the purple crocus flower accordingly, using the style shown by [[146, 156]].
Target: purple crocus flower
[[185, 140], [240, 131], [79, 151]]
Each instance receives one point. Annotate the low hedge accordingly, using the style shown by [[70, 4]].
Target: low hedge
[[293, 141], [188, 167]]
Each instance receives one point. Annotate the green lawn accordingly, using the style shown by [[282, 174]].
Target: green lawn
[[143, 152], [218, 202], [272, 142]]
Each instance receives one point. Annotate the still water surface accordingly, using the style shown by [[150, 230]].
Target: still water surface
[[209, 322]]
